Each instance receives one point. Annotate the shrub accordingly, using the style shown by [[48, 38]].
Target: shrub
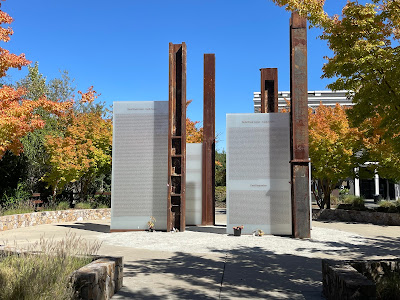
[[21, 207], [220, 196], [354, 201], [63, 205], [13, 199], [45, 275], [220, 193], [388, 288], [101, 206], [83, 205], [104, 200], [390, 206], [334, 200]]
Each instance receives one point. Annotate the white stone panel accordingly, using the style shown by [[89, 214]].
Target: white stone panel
[[140, 165], [258, 173], [194, 183]]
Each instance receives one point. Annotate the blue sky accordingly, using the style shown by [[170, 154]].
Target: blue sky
[[121, 47]]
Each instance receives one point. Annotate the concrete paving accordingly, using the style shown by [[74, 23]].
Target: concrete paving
[[240, 273]]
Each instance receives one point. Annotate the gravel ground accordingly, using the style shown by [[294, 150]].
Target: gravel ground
[[322, 239]]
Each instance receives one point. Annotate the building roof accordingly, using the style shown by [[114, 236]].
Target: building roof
[[329, 98]]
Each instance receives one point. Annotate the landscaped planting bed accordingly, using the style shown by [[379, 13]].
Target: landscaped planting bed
[[59, 270]]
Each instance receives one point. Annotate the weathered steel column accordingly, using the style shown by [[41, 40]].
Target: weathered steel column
[[299, 127], [176, 203], [269, 90], [208, 206]]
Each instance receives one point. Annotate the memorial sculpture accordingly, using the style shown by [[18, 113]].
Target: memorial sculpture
[[267, 155]]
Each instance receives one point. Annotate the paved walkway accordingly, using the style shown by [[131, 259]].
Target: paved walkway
[[250, 268]]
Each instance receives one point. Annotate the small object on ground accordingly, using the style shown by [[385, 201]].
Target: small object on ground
[[237, 230], [151, 224], [260, 232]]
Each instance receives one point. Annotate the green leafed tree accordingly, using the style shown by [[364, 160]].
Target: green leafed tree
[[364, 40], [35, 153]]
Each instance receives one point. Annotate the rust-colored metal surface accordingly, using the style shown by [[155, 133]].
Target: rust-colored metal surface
[[299, 127], [208, 204], [269, 90], [176, 202]]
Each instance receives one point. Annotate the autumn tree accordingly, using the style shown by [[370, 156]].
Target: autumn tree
[[82, 150], [194, 134], [18, 115], [366, 57], [332, 145], [36, 86]]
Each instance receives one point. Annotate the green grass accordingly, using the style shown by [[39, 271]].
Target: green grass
[[16, 211], [45, 275]]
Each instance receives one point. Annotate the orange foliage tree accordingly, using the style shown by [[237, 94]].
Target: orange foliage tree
[[377, 149], [18, 116], [193, 133], [82, 149], [332, 144]]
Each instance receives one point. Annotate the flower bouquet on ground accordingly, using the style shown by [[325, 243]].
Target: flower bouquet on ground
[[151, 223], [237, 230]]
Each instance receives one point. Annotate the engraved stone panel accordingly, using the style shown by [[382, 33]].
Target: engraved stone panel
[[193, 183], [258, 173], [140, 164]]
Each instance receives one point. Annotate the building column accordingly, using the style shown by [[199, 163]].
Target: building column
[[376, 181], [356, 183], [397, 191]]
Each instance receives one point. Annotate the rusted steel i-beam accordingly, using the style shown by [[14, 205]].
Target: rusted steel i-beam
[[208, 204], [269, 90], [176, 203], [299, 127]]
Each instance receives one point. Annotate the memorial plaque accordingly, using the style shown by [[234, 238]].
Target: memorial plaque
[[194, 183], [258, 173], [139, 165]]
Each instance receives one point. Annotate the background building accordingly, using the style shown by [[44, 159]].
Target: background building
[[329, 98], [366, 187]]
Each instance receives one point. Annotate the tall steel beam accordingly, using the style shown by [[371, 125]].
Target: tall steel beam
[[176, 202], [299, 127], [208, 203], [269, 90]]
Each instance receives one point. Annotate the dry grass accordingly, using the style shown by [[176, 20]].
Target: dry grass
[[43, 271]]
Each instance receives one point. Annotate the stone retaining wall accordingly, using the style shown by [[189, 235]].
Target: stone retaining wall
[[355, 279], [377, 218], [341, 281], [100, 279], [49, 217]]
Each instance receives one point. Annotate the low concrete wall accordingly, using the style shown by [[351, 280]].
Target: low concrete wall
[[377, 218], [100, 279], [49, 217]]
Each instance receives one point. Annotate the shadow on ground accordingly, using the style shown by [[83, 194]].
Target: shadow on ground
[[247, 273], [219, 229], [88, 226]]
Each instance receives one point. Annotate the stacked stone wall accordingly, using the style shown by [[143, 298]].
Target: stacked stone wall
[[100, 279], [355, 279], [50, 217], [343, 215]]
